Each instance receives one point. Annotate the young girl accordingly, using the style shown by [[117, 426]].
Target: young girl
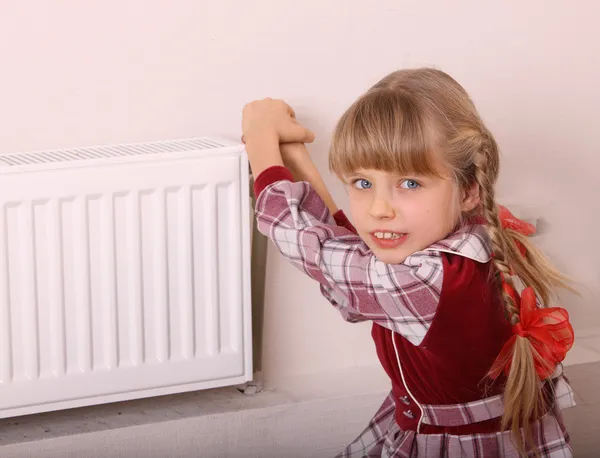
[[432, 261]]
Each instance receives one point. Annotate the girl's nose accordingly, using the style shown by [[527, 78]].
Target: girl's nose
[[381, 209]]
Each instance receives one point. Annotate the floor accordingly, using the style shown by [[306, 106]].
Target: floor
[[583, 421], [155, 421]]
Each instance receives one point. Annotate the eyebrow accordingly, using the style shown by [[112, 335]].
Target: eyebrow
[[407, 176], [356, 174]]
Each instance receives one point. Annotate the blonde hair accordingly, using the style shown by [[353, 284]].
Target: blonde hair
[[406, 123]]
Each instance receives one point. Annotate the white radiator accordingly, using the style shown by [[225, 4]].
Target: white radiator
[[124, 273]]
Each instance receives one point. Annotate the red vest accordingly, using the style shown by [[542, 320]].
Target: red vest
[[450, 365]]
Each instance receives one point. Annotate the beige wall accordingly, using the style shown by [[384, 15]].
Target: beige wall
[[77, 73]]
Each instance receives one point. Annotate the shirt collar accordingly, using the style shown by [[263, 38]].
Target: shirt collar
[[471, 241]]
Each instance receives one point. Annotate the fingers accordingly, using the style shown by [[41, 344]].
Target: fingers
[[296, 133], [309, 136], [304, 135], [291, 111]]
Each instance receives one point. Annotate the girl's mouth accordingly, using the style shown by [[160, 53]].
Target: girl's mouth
[[385, 239]]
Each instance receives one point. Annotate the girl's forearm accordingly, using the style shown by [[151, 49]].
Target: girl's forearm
[[263, 152], [316, 181], [297, 158]]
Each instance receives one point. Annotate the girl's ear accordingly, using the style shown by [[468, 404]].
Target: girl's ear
[[471, 198]]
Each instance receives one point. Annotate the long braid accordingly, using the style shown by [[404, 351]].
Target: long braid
[[522, 394], [483, 171]]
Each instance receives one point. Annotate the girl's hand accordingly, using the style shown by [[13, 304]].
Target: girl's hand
[[272, 120]]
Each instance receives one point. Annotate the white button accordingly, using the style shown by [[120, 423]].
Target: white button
[[409, 414], [405, 400]]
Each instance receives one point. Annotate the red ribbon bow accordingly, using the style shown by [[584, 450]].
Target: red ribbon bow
[[509, 221], [548, 330]]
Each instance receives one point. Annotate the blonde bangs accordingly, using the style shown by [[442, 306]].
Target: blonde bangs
[[384, 130]]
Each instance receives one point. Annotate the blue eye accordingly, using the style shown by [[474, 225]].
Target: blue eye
[[363, 184], [410, 184]]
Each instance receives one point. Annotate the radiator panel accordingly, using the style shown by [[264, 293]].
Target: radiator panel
[[122, 278]]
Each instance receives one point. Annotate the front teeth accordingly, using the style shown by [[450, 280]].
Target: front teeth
[[387, 235]]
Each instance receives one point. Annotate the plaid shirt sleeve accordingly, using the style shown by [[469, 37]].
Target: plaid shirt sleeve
[[402, 297]]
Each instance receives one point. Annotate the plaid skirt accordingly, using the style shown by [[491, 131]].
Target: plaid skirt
[[384, 438]]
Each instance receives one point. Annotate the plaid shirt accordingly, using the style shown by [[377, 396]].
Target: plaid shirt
[[401, 297]]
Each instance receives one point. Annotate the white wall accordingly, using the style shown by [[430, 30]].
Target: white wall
[[77, 73]]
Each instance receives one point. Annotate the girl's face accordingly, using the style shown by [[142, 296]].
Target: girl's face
[[398, 215]]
